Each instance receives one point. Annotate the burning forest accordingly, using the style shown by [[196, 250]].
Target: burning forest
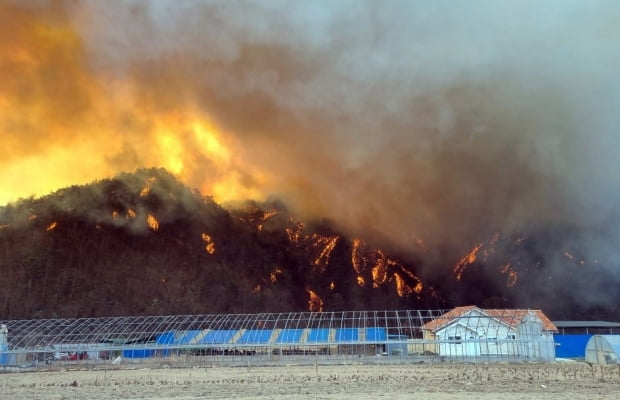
[[336, 154], [144, 243]]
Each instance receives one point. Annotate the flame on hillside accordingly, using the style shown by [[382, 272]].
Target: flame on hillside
[[273, 276], [512, 276], [51, 226], [318, 246], [315, 303], [382, 269], [152, 222], [147, 188], [209, 244], [468, 259], [58, 104]]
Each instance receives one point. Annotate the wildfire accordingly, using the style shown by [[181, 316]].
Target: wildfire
[[264, 218], [357, 259], [326, 245], [152, 222], [51, 226], [147, 188], [58, 104], [273, 276], [512, 275], [379, 271], [131, 214], [469, 258], [294, 231], [315, 303], [402, 289], [209, 245]]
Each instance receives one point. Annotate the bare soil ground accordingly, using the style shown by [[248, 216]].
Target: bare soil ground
[[554, 381]]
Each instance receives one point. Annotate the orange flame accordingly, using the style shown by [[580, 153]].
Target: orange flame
[[512, 277], [294, 232], [209, 245], [469, 258], [152, 222], [273, 276], [91, 110], [326, 245], [356, 255], [51, 226], [402, 289], [379, 271], [147, 188], [315, 303]]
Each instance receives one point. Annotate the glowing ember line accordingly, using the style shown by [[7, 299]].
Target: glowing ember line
[[329, 243], [469, 258], [209, 245], [356, 255], [315, 303], [152, 222], [51, 226], [147, 188]]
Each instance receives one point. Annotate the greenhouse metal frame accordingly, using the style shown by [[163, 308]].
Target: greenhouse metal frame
[[264, 338]]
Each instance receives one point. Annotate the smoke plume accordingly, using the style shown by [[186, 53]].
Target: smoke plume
[[441, 121]]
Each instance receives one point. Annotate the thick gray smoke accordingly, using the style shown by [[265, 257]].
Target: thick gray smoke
[[443, 121]]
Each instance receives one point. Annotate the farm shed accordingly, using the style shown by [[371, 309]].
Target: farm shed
[[470, 331], [573, 336], [603, 349]]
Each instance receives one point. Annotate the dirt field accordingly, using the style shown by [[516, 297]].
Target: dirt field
[[571, 381]]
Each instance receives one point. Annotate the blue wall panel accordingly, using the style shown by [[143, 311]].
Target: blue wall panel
[[571, 346]]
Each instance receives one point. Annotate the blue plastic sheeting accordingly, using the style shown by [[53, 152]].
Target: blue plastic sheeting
[[255, 336], [188, 337], [347, 335], [138, 353], [218, 337], [318, 335], [571, 346], [6, 359], [165, 338], [290, 336], [376, 335]]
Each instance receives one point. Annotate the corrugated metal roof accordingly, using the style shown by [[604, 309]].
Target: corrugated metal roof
[[586, 324]]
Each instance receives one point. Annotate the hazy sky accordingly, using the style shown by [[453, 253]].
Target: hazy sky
[[443, 121]]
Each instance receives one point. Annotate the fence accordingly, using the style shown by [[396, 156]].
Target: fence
[[326, 337]]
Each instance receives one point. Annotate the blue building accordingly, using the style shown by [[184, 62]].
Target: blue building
[[573, 336]]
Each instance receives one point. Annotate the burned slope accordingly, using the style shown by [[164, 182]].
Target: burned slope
[[143, 243]]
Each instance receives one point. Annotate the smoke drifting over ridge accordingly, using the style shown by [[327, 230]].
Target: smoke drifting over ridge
[[442, 122]]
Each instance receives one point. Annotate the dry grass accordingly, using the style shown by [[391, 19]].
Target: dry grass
[[404, 381]]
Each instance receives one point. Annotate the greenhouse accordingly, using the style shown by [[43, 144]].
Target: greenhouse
[[603, 349], [305, 337]]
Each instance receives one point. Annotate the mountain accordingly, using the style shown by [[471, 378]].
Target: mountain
[[142, 243]]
